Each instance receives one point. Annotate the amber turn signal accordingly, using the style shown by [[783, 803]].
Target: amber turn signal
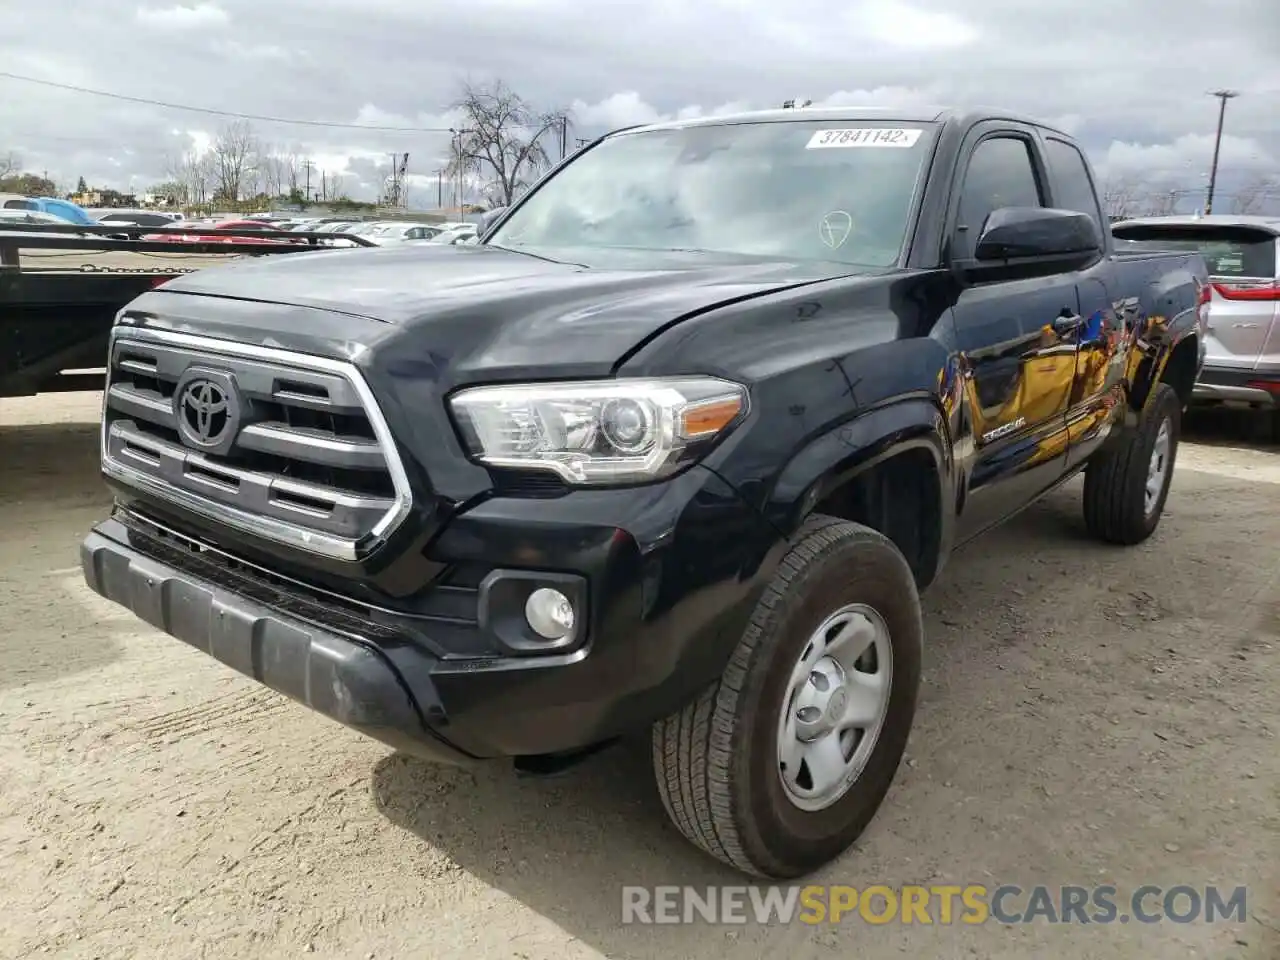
[[709, 417]]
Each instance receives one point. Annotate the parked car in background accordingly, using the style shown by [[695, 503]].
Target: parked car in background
[[35, 216], [1242, 342], [140, 218], [467, 231], [245, 233], [389, 233], [65, 210]]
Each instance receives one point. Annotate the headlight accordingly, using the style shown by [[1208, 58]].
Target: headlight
[[609, 431]]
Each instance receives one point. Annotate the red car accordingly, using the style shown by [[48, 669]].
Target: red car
[[246, 225]]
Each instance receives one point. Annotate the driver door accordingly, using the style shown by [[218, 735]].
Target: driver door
[[1017, 354]]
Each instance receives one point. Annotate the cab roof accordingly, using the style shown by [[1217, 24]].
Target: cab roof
[[958, 116]]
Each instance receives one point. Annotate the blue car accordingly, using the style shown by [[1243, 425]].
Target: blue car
[[63, 209]]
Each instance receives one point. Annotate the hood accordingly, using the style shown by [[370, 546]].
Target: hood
[[487, 311]]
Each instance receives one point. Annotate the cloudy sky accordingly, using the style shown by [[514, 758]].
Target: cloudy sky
[[1129, 77]]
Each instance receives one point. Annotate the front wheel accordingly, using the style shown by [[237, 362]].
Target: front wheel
[[779, 766]]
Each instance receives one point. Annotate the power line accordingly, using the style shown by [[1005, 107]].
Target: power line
[[219, 113]]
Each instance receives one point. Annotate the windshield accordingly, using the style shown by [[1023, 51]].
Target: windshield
[[833, 191]]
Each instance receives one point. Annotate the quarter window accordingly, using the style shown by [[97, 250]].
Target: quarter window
[[1072, 186]]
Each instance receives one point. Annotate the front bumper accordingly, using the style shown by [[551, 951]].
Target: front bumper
[[1255, 388], [333, 674], [662, 622]]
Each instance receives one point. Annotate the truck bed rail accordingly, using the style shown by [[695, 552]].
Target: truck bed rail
[[129, 239], [55, 318]]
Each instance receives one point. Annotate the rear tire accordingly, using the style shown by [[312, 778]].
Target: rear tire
[[1125, 488], [731, 765]]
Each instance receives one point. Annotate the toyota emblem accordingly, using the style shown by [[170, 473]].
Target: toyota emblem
[[205, 412]]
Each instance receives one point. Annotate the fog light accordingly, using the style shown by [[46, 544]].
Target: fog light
[[549, 613]]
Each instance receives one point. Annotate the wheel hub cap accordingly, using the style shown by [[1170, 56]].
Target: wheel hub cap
[[835, 707], [1157, 467]]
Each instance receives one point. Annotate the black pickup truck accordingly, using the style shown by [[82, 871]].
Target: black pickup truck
[[675, 446]]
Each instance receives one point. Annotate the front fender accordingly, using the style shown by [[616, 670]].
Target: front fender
[[832, 459]]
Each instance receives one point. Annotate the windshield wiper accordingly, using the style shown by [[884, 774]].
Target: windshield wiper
[[536, 256]]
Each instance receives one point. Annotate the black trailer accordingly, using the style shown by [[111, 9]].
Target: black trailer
[[54, 319]]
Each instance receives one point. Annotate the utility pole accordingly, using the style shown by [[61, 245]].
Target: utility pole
[[440, 188], [307, 165], [457, 160], [564, 137], [393, 191], [1223, 96]]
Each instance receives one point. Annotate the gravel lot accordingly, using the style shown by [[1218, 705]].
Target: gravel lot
[[1090, 715]]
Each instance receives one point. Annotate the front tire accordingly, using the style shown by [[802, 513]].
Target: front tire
[[1125, 488], [778, 767]]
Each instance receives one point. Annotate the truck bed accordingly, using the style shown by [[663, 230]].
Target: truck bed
[[61, 287]]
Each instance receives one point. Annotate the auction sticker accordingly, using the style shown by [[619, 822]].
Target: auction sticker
[[864, 137]]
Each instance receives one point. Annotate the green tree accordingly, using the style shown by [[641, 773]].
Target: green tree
[[81, 186], [28, 184]]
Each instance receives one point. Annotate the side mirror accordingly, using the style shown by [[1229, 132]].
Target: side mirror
[[1064, 237], [487, 219]]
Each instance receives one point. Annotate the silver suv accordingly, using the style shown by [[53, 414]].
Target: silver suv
[[1242, 358]]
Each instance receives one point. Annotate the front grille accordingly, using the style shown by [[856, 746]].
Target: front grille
[[285, 446]]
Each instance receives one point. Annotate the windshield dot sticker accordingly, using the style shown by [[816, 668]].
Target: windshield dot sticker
[[864, 137], [834, 228]]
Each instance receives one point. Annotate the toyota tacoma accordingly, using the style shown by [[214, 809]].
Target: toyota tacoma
[[673, 449]]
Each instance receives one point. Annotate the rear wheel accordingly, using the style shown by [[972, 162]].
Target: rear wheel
[[1125, 488], [778, 767]]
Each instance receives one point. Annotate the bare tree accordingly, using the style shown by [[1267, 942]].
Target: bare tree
[[1120, 196], [193, 172], [293, 176], [271, 170], [9, 164], [1161, 201], [1255, 195], [332, 186], [235, 156], [500, 140]]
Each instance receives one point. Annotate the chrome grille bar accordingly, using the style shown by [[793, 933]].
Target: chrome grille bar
[[312, 463]]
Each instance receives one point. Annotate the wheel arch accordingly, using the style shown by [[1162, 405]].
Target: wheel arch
[[890, 468]]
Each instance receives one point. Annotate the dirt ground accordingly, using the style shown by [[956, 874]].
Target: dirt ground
[[1089, 715]]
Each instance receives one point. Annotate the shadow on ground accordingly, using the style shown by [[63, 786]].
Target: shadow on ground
[[566, 847], [1224, 427], [50, 494], [1004, 652]]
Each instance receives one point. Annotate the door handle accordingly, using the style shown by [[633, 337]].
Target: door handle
[[1067, 324]]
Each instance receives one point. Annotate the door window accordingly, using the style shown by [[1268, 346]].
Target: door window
[[1001, 174]]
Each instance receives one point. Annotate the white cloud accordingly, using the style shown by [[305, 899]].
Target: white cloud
[[197, 17], [619, 110], [1187, 158], [400, 63], [235, 50], [908, 28]]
